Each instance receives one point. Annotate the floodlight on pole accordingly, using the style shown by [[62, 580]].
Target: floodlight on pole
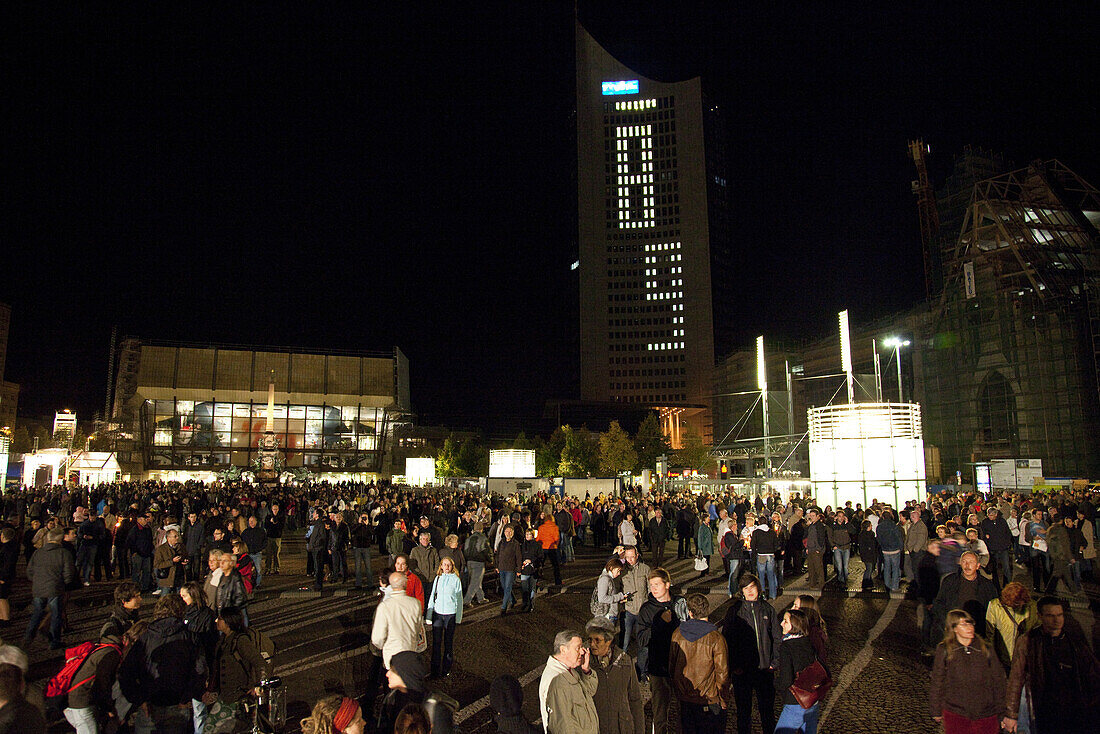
[[846, 353], [897, 344], [762, 383]]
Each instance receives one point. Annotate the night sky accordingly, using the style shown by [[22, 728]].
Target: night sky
[[345, 177]]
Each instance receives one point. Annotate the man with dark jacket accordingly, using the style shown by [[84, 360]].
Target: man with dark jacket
[[255, 537], [998, 540], [164, 671], [890, 540], [700, 670], [317, 546], [659, 533], [89, 536], [817, 542], [274, 524], [139, 544], [751, 629], [965, 589], [339, 538], [685, 531], [362, 537], [658, 618], [194, 535], [125, 611], [50, 570]]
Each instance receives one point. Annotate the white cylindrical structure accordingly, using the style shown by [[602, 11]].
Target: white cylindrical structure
[[866, 451]]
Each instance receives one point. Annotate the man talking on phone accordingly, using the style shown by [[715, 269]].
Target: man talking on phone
[[567, 687]]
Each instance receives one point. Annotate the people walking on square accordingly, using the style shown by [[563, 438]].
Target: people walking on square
[[567, 687], [967, 693], [478, 555], [817, 542], [444, 612], [50, 570], [796, 652], [1058, 672], [658, 618], [699, 666], [752, 633], [618, 698]]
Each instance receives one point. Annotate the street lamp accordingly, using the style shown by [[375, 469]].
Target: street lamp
[[897, 344]]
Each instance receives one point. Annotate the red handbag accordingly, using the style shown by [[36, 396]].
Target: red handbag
[[811, 685]]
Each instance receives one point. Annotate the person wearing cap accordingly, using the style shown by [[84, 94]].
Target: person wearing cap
[[407, 680], [335, 714], [618, 697], [506, 701]]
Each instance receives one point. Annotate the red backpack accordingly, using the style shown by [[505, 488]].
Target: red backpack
[[247, 569], [62, 684]]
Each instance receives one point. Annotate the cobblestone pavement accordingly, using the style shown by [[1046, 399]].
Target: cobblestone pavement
[[322, 642]]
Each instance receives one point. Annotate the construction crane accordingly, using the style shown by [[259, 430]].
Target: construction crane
[[929, 220]]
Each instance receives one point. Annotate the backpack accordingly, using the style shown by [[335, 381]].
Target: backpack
[[59, 687], [247, 570], [595, 606]]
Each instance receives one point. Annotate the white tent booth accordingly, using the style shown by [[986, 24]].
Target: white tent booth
[[860, 452]]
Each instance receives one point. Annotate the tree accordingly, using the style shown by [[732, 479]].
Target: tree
[[617, 452], [445, 461], [580, 456], [469, 462], [548, 455], [524, 443], [21, 442], [650, 443], [693, 453]]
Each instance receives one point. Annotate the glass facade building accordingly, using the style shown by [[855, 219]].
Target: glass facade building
[[201, 409]]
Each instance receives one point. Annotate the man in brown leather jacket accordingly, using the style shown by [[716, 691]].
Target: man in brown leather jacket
[[700, 670]]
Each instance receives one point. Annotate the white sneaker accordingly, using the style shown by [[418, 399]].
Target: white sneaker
[[87, 583]]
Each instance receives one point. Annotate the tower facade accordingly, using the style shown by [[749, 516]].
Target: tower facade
[[648, 202]]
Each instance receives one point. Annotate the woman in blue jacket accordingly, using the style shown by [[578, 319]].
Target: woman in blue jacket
[[444, 612]]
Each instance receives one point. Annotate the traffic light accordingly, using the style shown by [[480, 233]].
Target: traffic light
[[723, 469]]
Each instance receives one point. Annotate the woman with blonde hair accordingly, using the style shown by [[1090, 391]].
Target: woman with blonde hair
[[444, 612], [967, 693], [335, 715]]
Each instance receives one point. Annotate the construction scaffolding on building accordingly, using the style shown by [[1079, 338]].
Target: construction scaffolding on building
[[1010, 363]]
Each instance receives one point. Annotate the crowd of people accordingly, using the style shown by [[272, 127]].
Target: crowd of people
[[1009, 654]]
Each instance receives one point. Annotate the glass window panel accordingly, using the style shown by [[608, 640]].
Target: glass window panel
[[242, 409], [298, 411], [223, 424], [183, 406], [223, 409], [349, 413], [162, 437], [314, 411]]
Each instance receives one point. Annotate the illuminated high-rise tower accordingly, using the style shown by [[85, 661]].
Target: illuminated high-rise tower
[[653, 238]]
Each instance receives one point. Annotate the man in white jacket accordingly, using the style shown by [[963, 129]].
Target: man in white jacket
[[398, 622]]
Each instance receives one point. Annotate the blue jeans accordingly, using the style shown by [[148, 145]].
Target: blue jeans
[[258, 562], [362, 560], [629, 620], [39, 611], [143, 571], [1002, 567], [765, 569], [85, 561], [443, 638], [794, 719], [891, 570], [529, 586], [473, 589], [566, 547], [840, 563], [735, 570], [507, 580]]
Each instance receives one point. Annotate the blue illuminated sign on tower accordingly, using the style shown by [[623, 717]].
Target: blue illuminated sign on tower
[[627, 86]]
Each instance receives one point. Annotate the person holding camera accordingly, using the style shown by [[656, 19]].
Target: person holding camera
[[170, 562]]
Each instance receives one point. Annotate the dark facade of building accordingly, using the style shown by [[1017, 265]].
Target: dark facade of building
[[653, 226]]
